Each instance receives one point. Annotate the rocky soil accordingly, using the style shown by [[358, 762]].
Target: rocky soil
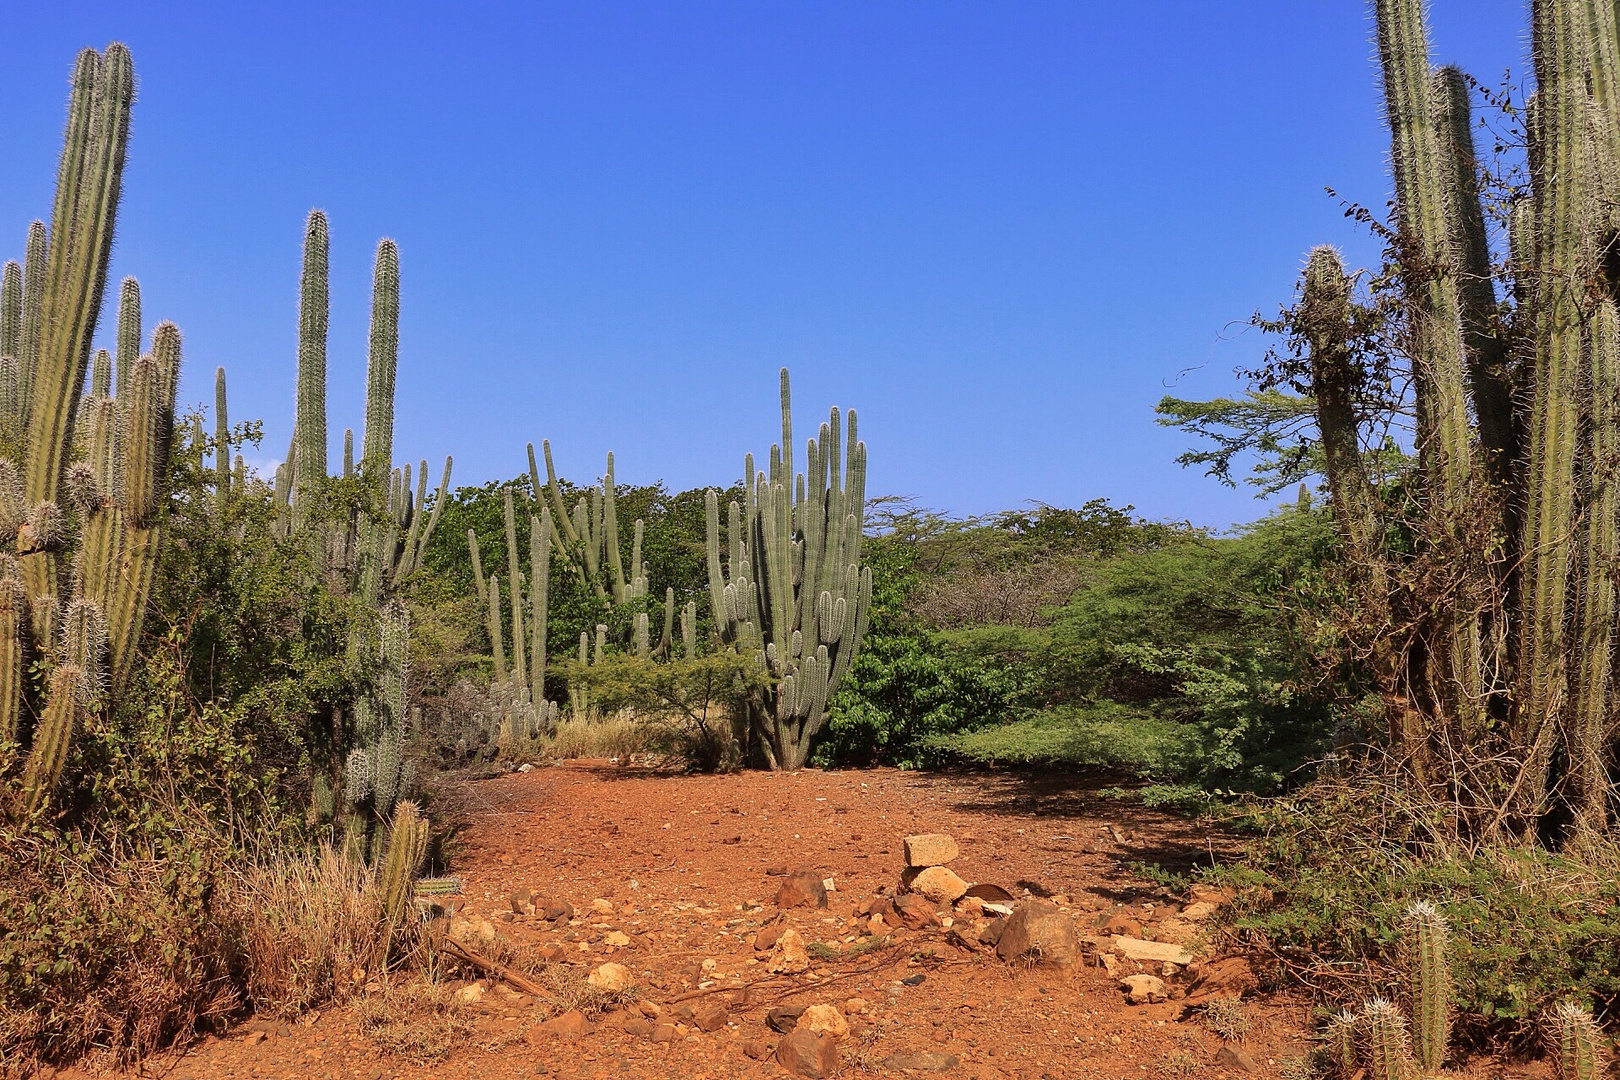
[[682, 919]]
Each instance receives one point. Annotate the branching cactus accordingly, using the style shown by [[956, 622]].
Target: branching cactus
[[1386, 1042], [794, 594], [1577, 1044], [401, 862], [589, 536], [1425, 943]]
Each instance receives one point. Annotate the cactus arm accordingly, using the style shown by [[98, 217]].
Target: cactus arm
[[477, 565], [35, 256], [610, 533], [129, 333], [309, 427], [520, 667], [11, 309], [222, 441], [1558, 170], [493, 625], [382, 363], [539, 597]]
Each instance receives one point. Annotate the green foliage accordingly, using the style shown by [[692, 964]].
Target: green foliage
[[905, 690], [1333, 870], [691, 704]]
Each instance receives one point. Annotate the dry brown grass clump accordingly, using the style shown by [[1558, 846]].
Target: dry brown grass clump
[[417, 1020], [310, 925]]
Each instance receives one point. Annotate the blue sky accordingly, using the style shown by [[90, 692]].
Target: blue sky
[[999, 230]]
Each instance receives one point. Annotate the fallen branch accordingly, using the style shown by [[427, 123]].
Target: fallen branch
[[491, 968]]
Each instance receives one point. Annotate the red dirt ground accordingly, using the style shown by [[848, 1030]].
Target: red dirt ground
[[684, 860]]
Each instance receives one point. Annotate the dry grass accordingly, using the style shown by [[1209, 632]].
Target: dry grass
[[310, 924], [419, 1021], [1225, 1018], [609, 737]]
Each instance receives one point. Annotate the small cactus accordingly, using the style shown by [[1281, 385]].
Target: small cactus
[[1577, 1043], [407, 846], [1386, 1042], [1428, 972], [1340, 1043]]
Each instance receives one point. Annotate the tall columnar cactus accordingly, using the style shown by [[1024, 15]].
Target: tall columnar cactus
[[1429, 254], [1386, 1044], [1577, 1043], [222, 443], [1562, 193], [794, 594], [1425, 943], [1590, 710], [307, 454]]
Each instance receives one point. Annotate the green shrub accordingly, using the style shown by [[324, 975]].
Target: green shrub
[[1330, 873]]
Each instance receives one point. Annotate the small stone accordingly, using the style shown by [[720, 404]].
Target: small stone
[[804, 889], [1120, 923], [1038, 930], [825, 1019], [665, 1033], [856, 1006], [765, 940], [521, 902], [616, 938], [915, 912], [471, 994], [921, 1061], [789, 957], [1110, 964], [557, 912], [784, 1018], [1209, 894], [1233, 1057], [638, 1025], [930, 849], [805, 1053], [650, 1009], [613, 978], [1143, 989], [1198, 911], [1176, 931], [758, 1049], [709, 1017], [991, 934], [600, 906], [1157, 952], [570, 1025], [939, 884]]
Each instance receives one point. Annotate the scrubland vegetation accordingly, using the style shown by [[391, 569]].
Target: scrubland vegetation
[[228, 700]]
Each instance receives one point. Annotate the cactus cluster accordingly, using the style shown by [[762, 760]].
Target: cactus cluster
[[589, 535], [1515, 419], [365, 529], [528, 601], [83, 469], [792, 592]]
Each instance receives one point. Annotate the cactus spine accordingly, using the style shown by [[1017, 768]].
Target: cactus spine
[[1577, 1042], [1425, 940], [1341, 1046], [794, 594]]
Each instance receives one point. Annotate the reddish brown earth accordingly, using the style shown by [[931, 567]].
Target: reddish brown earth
[[684, 862]]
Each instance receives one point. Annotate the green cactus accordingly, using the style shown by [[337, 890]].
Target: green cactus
[[222, 444], [796, 597], [65, 710], [1589, 722], [539, 600], [128, 333], [1340, 1039], [1562, 188], [11, 309], [1425, 942], [590, 535], [1386, 1044], [689, 629], [1577, 1043], [401, 862], [308, 452], [493, 625], [520, 666]]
